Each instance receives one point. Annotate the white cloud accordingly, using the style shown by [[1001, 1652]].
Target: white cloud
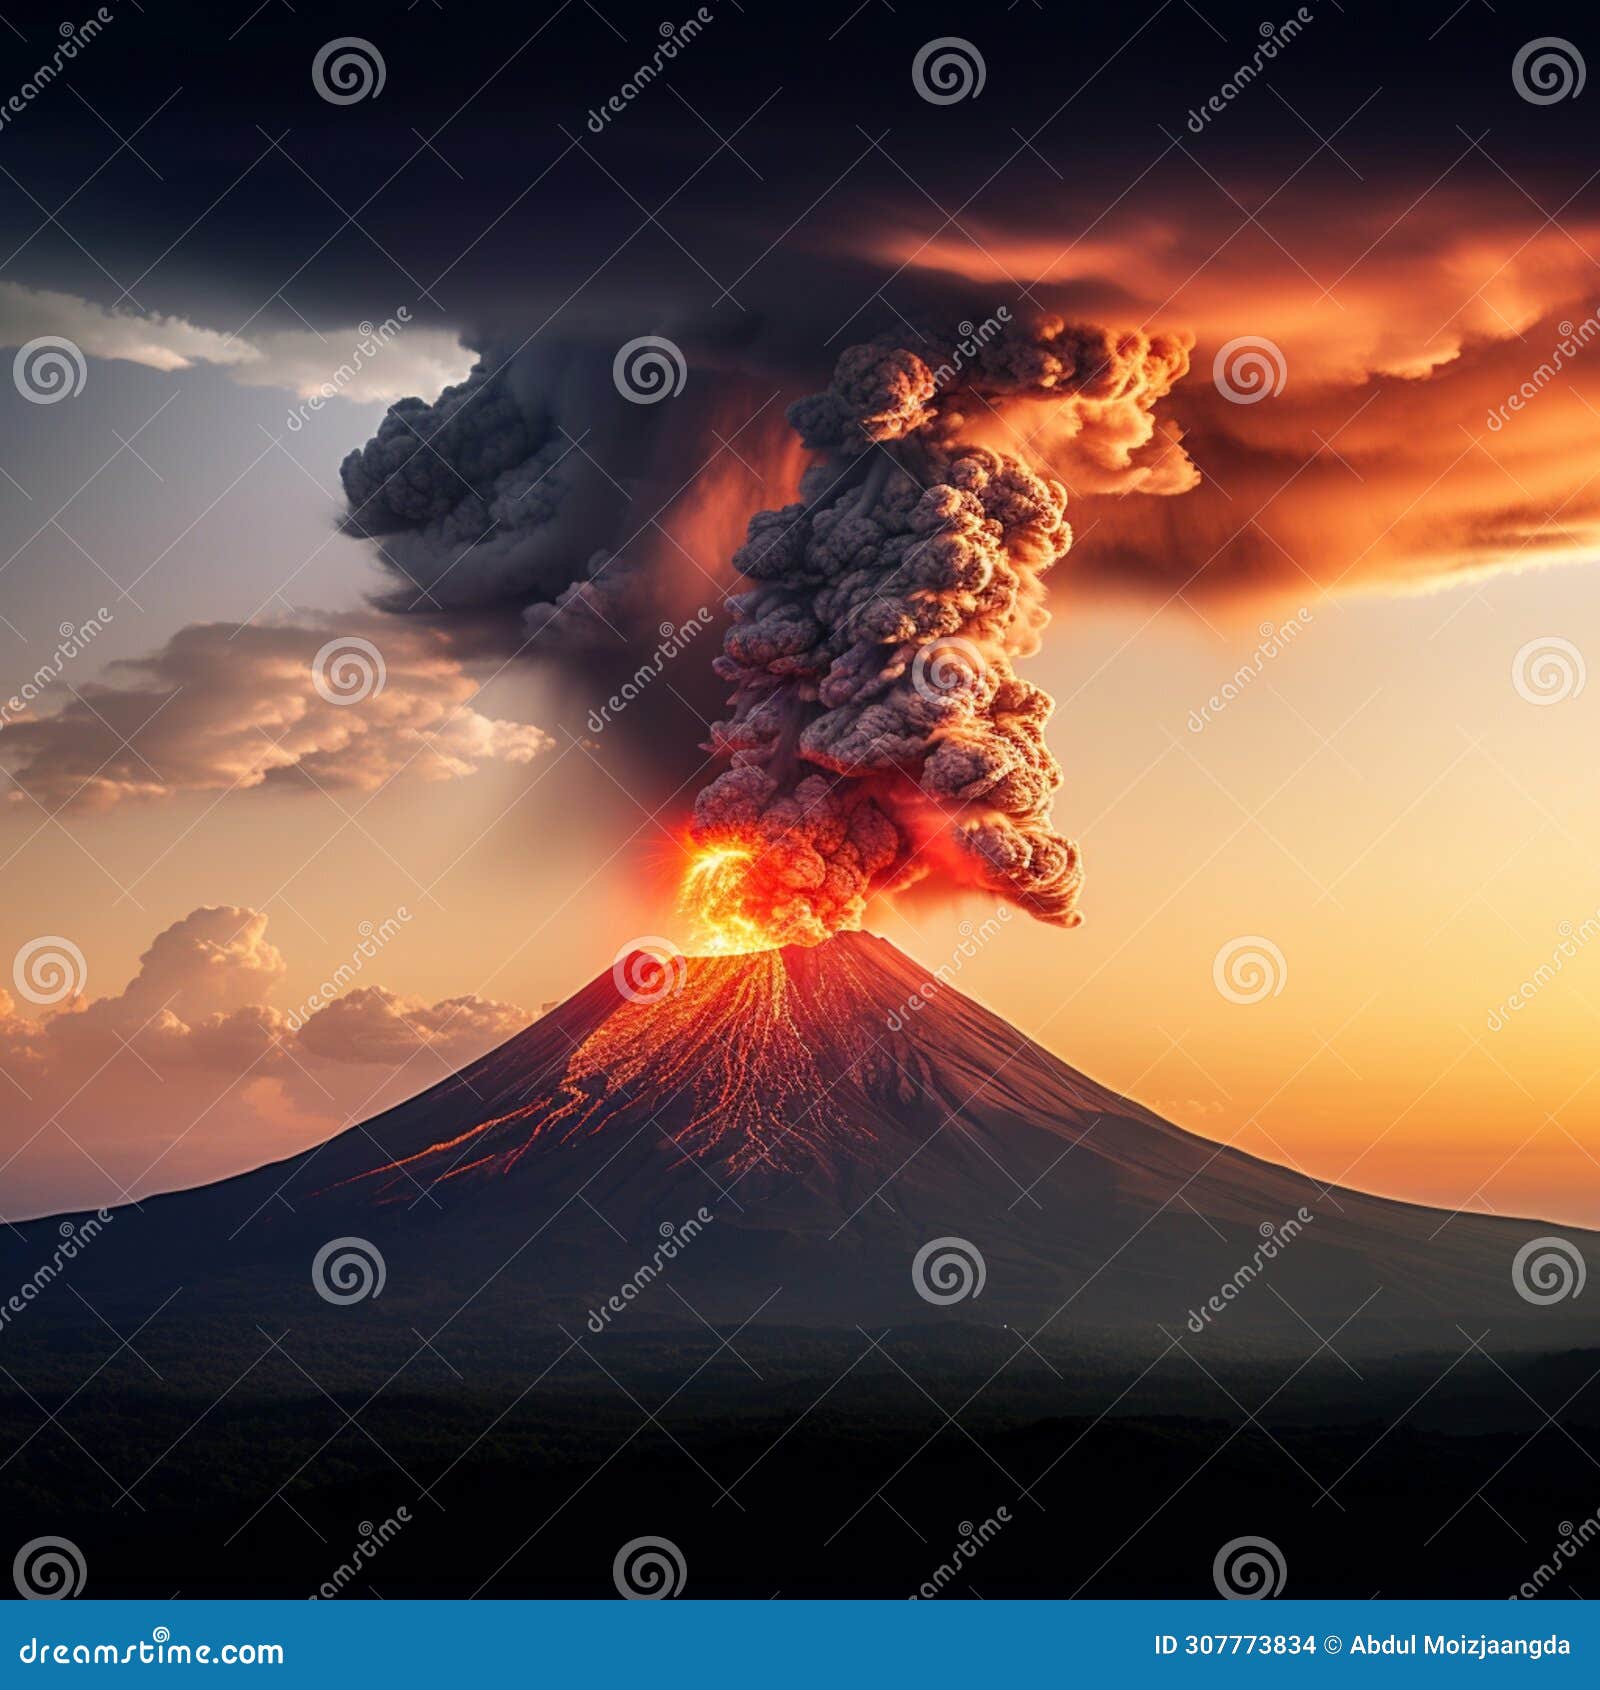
[[414, 359]]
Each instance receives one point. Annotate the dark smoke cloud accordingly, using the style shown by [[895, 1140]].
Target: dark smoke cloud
[[878, 730], [535, 511], [531, 493], [483, 498]]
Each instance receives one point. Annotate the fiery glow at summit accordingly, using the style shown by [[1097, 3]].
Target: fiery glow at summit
[[716, 898]]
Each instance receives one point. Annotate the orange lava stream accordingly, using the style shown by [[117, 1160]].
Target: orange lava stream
[[712, 1058], [724, 1051]]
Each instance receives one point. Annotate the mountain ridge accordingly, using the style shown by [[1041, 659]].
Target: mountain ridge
[[833, 1118]]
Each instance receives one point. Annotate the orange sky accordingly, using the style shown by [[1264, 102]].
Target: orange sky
[[1396, 800]]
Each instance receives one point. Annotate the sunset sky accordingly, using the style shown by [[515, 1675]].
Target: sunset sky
[[1397, 807]]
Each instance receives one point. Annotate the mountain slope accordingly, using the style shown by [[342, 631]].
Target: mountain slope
[[829, 1117]]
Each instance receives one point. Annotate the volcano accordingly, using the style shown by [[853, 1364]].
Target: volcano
[[822, 1136]]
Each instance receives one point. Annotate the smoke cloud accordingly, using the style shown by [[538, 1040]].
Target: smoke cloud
[[531, 494], [879, 732]]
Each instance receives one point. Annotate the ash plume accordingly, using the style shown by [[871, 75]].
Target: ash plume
[[493, 497], [878, 731], [533, 511]]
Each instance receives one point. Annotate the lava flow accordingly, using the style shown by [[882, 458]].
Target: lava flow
[[736, 1059]]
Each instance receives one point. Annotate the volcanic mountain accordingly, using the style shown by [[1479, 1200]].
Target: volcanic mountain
[[780, 1133]]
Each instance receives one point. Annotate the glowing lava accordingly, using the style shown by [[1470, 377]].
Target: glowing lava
[[739, 1060], [715, 897]]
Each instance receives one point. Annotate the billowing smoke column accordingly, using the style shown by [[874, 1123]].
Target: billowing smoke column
[[878, 731]]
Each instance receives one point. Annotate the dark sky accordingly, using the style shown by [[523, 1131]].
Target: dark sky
[[459, 189]]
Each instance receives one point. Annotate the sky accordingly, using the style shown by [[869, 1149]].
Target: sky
[[1318, 650]]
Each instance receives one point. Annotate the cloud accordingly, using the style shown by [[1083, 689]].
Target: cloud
[[199, 999], [164, 1081], [216, 959], [314, 703], [370, 1024], [353, 363], [1400, 320]]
